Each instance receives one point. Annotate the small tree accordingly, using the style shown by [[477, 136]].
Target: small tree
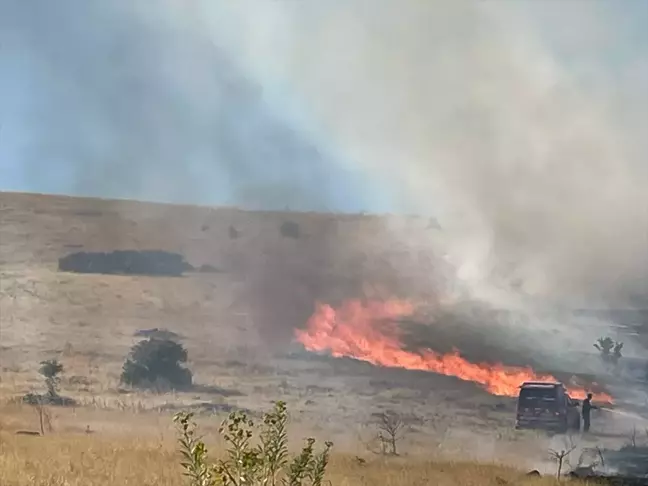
[[561, 457], [390, 431], [51, 369], [616, 353], [610, 350], [44, 417], [604, 345], [154, 362], [267, 463]]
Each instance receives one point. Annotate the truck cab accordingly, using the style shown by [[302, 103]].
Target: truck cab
[[546, 406]]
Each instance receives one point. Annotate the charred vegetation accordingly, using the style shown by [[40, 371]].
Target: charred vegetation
[[126, 262]]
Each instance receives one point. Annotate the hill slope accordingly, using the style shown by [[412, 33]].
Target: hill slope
[[232, 321], [237, 323]]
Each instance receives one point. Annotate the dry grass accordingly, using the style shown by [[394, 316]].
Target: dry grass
[[124, 448], [88, 322], [71, 460], [224, 317]]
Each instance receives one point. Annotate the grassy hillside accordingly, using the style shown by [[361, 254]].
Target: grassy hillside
[[237, 326]]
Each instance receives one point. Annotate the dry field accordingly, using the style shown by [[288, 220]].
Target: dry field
[[237, 326], [72, 458]]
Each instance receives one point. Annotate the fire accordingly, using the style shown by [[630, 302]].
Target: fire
[[366, 331]]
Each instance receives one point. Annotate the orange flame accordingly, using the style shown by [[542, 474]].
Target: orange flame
[[366, 331]]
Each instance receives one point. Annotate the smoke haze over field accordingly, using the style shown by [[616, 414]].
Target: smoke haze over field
[[111, 99], [521, 127], [530, 153]]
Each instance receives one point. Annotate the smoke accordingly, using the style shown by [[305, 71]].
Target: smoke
[[118, 99], [518, 126], [126, 99]]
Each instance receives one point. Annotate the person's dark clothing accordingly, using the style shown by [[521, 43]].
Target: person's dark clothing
[[586, 409]]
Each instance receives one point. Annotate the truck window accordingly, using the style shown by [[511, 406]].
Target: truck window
[[534, 395]]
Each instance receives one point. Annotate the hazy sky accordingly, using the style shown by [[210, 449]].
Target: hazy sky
[[113, 99], [521, 125], [177, 103]]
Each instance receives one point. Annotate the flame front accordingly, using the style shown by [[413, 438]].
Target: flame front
[[367, 331]]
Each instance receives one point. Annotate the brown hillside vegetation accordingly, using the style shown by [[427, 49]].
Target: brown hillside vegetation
[[334, 256], [265, 284]]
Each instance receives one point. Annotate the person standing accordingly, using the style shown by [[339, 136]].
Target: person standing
[[587, 408]]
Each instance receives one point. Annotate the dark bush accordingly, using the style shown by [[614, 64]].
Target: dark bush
[[156, 363], [58, 400], [145, 262], [290, 229], [51, 371], [233, 232]]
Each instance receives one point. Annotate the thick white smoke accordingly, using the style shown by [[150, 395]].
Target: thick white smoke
[[520, 127]]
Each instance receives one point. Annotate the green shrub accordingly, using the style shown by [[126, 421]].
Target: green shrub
[[155, 363], [268, 463]]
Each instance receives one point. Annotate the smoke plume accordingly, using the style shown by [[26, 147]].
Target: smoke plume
[[520, 127], [120, 99]]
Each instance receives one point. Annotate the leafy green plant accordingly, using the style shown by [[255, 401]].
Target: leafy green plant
[[268, 463]]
